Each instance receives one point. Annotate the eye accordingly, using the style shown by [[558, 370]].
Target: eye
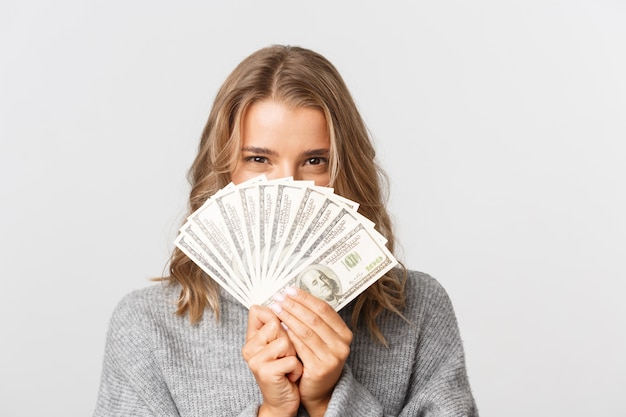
[[257, 159], [316, 161]]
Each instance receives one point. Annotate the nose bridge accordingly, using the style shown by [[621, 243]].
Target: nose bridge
[[287, 168]]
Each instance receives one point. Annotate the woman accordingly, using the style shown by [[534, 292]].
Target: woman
[[395, 350]]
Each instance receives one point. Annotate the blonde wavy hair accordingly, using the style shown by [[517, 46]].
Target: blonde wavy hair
[[297, 77]]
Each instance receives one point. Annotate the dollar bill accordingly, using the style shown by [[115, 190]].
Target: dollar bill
[[344, 270], [258, 237], [212, 267]]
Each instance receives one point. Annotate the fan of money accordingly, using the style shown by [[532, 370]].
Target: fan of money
[[260, 236]]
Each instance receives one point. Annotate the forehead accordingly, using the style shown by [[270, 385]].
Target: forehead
[[270, 106], [269, 119]]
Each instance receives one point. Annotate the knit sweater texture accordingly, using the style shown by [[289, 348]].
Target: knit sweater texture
[[157, 364]]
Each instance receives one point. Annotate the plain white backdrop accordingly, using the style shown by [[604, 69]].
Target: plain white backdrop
[[502, 125]]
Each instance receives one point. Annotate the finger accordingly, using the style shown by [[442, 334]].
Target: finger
[[297, 371], [321, 369], [288, 366], [276, 349], [314, 314], [270, 330], [310, 347], [265, 336], [321, 308], [258, 316], [306, 353], [275, 362], [306, 339]]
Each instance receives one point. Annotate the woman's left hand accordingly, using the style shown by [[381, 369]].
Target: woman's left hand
[[322, 342]]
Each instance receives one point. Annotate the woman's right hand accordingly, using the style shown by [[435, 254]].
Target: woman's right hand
[[273, 362]]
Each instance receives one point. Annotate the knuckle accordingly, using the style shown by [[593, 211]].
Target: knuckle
[[347, 335], [272, 325], [288, 303], [344, 352], [271, 329], [338, 362], [283, 344], [249, 351], [249, 357], [324, 309], [305, 333], [255, 310], [293, 361], [245, 352], [315, 320], [340, 352]]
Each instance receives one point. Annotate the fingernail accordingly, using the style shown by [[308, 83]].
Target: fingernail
[[291, 291], [284, 326], [276, 308], [279, 297]]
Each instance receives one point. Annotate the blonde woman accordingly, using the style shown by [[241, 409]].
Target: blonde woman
[[186, 348]]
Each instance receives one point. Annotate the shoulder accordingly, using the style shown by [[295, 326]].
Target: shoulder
[[152, 298], [160, 291], [141, 307], [134, 369], [427, 299], [423, 287]]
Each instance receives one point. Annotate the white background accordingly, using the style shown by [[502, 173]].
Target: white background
[[501, 124]]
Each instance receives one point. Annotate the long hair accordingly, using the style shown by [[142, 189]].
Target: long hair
[[297, 77]]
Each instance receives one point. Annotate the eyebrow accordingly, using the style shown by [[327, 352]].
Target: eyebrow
[[259, 150], [316, 152], [267, 151]]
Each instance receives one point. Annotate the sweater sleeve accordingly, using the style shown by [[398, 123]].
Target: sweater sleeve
[[439, 384], [350, 398], [131, 383]]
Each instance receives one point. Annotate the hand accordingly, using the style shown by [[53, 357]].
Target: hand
[[321, 340], [272, 359]]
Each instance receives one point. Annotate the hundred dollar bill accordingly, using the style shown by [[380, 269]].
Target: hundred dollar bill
[[288, 201], [332, 220], [211, 266], [343, 271], [221, 230], [206, 244], [215, 255], [312, 201], [235, 219], [249, 197], [256, 237], [268, 192]]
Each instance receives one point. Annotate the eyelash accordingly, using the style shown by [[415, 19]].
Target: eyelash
[[316, 160], [256, 159]]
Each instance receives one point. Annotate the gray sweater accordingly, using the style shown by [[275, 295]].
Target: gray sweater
[[157, 364]]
